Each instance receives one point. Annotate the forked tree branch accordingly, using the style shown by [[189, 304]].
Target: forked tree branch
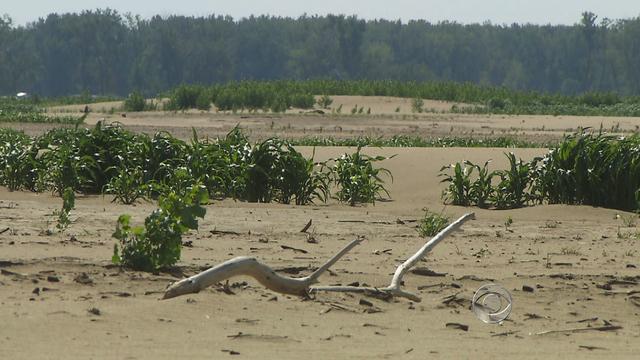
[[394, 288], [301, 286]]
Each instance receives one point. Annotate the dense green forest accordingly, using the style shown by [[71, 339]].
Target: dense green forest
[[104, 52]]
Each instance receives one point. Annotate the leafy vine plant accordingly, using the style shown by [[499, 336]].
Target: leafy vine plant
[[158, 243]]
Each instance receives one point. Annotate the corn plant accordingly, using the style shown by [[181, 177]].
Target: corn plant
[[263, 171], [512, 191], [127, 186], [302, 179], [482, 189], [459, 188], [17, 162], [357, 179], [64, 169], [592, 169]]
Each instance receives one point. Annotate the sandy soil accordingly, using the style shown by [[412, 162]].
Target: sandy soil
[[61, 298], [383, 121]]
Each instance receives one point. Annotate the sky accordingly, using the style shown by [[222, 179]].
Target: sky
[[462, 11]]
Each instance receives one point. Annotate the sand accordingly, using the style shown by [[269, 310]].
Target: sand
[[580, 261]]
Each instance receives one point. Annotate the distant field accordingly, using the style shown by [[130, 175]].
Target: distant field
[[383, 121]]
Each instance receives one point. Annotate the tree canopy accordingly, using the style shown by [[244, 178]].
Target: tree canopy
[[105, 52]]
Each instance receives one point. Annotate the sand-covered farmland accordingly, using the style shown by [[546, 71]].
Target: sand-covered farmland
[[60, 297]]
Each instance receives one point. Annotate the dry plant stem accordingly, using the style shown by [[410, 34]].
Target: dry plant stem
[[249, 266], [394, 288]]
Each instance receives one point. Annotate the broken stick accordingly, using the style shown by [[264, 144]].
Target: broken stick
[[394, 288]]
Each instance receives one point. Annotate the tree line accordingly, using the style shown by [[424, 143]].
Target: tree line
[[105, 52]]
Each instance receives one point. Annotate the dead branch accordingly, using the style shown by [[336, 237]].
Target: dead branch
[[394, 288], [249, 266], [302, 286]]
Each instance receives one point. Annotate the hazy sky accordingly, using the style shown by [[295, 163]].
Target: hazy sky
[[464, 11]]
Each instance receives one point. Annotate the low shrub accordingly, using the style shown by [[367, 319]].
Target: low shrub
[[158, 243]]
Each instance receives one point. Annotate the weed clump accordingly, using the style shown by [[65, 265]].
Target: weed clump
[[432, 223]]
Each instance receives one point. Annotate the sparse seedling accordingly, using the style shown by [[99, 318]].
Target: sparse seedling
[[432, 223], [417, 105], [325, 101], [507, 224], [629, 220], [68, 204]]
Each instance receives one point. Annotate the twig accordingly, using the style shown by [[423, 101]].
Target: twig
[[306, 227], [223, 232], [574, 330], [506, 333], [285, 247]]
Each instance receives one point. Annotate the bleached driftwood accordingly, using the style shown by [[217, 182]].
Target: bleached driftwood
[[244, 265], [302, 286], [394, 288]]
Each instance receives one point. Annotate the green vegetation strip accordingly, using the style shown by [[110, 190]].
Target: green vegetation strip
[[110, 159], [586, 168], [278, 96], [26, 111]]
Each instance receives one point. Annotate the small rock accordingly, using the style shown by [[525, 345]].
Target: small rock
[[456, 285], [365, 302], [53, 278], [527, 288], [94, 311], [83, 279], [36, 291], [631, 266], [605, 287]]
